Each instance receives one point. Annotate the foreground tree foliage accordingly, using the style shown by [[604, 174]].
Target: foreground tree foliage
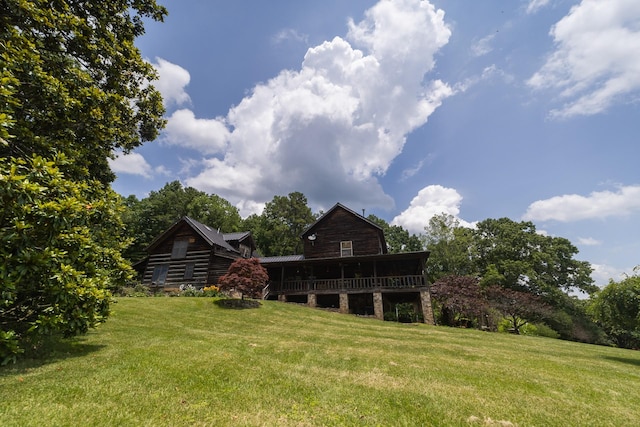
[[74, 83], [60, 254], [617, 308], [74, 89], [145, 219], [246, 276]]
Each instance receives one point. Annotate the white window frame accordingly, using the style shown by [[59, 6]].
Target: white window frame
[[346, 248]]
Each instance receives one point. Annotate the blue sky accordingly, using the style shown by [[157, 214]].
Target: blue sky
[[522, 109]]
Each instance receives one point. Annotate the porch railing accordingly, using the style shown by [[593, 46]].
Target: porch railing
[[346, 284]]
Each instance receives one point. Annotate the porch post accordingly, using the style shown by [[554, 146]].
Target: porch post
[[344, 303], [282, 278], [378, 309], [427, 310], [311, 300]]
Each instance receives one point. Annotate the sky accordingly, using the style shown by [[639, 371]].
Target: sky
[[526, 109]]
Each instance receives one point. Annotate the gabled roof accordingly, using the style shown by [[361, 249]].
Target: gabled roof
[[239, 236], [341, 206], [214, 237], [355, 214], [211, 236]]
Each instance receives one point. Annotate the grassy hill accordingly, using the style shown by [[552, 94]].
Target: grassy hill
[[188, 362]]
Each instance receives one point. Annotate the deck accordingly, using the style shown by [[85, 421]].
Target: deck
[[348, 285]]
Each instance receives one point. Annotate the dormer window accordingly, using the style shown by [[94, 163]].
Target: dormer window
[[346, 248]]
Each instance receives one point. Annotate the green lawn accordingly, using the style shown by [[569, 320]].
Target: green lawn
[[187, 362]]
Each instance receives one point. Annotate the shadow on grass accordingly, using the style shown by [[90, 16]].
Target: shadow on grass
[[237, 304], [51, 351], [628, 360]]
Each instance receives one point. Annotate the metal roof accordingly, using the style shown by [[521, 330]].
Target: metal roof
[[284, 258], [239, 235], [300, 259], [214, 237], [211, 236]]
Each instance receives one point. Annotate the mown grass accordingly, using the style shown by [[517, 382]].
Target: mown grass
[[189, 362]]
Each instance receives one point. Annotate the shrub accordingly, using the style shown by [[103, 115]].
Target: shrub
[[539, 330], [246, 276], [190, 291], [60, 253], [137, 290], [211, 291]]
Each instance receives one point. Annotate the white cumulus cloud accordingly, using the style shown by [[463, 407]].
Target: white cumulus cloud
[[132, 164], [332, 127], [574, 207], [595, 63], [172, 82], [208, 136], [430, 201]]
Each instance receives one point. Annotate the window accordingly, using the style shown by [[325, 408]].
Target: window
[[179, 250], [346, 248], [188, 271], [245, 251], [160, 274]]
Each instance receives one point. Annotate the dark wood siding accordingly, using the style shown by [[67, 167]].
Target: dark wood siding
[[208, 265], [175, 274], [218, 266], [341, 225], [183, 232]]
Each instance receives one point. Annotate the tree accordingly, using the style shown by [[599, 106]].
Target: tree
[[145, 219], [74, 83], [398, 239], [282, 222], [74, 89], [246, 276], [60, 251], [519, 308], [617, 308], [449, 245], [460, 300], [520, 258]]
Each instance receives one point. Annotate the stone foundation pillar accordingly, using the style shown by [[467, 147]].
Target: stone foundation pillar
[[344, 303], [282, 298], [311, 300], [378, 310], [427, 310]]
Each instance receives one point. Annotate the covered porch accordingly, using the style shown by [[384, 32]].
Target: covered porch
[[364, 285]]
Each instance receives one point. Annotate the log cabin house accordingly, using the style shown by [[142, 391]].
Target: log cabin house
[[190, 252], [346, 266]]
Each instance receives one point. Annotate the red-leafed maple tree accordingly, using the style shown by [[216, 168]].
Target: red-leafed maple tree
[[246, 276]]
